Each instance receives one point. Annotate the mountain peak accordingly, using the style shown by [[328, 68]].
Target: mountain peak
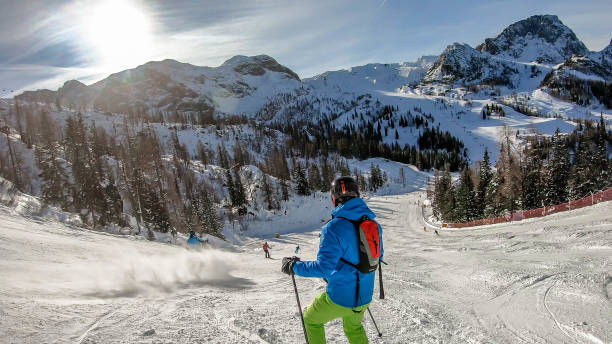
[[257, 65], [541, 38]]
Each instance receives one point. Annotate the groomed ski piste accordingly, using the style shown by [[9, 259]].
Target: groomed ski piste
[[545, 280]]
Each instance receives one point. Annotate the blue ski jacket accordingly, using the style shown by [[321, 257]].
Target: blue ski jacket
[[194, 240], [339, 240]]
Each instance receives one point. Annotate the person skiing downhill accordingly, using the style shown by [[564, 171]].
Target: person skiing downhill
[[266, 249], [349, 291], [297, 249], [194, 240]]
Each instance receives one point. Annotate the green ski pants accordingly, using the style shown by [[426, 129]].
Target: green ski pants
[[323, 310]]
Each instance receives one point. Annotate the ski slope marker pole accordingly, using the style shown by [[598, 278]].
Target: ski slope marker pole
[[297, 297], [375, 326]]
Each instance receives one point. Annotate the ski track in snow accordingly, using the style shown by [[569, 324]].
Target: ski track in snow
[[537, 281]]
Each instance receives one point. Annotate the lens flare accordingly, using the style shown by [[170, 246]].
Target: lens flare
[[118, 32]]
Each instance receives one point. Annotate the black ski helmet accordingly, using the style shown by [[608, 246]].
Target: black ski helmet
[[343, 189]]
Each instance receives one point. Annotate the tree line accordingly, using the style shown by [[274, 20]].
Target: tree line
[[363, 138], [544, 172], [123, 174]]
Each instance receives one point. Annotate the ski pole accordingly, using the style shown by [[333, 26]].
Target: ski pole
[[380, 282], [375, 326], [297, 296]]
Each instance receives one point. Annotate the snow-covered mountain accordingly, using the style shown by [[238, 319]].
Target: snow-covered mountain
[[538, 52], [374, 76], [462, 63], [604, 56], [240, 85], [581, 80], [539, 38]]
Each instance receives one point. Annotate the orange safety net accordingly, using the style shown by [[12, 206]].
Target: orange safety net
[[595, 198]]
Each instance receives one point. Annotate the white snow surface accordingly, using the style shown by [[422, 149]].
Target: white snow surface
[[542, 280], [372, 77]]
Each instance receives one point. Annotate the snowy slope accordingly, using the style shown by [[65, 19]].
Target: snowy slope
[[542, 280], [372, 77]]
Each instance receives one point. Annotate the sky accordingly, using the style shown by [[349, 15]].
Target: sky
[[43, 43]]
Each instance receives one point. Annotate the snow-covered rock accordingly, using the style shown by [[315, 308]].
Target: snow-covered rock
[[462, 63], [539, 38]]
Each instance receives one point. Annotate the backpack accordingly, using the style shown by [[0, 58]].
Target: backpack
[[369, 244], [369, 249]]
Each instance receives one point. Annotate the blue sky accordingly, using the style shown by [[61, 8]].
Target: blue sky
[[46, 42]]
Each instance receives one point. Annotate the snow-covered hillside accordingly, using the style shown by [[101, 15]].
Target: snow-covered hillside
[[542, 280], [240, 85], [372, 77]]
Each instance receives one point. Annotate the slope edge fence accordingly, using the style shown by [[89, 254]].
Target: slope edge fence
[[595, 198]]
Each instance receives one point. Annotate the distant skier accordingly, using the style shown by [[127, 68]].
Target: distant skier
[[436, 231], [266, 249], [349, 291], [194, 240], [297, 249]]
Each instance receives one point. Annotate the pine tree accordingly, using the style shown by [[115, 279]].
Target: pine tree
[[155, 213], [485, 176], [52, 172], [493, 199], [203, 208], [224, 161], [202, 153], [443, 195], [558, 172], [465, 198], [284, 190], [231, 188], [604, 180], [115, 204], [508, 173], [344, 168], [376, 178], [327, 175], [267, 191], [240, 193], [532, 185], [314, 177], [97, 200], [583, 180], [299, 176]]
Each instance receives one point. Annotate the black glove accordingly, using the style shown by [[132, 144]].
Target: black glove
[[288, 264]]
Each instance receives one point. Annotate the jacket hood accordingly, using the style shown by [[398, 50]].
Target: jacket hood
[[354, 210]]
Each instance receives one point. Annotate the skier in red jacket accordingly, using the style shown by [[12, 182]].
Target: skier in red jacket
[[266, 247]]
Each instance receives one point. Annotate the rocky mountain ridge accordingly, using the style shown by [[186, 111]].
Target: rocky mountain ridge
[[519, 59]]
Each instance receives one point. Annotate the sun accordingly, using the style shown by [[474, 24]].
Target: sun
[[118, 32]]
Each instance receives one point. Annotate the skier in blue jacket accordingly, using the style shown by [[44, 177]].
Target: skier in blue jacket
[[339, 242], [194, 240]]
